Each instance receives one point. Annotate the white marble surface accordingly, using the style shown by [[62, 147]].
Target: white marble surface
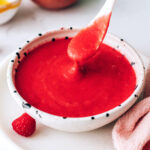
[[130, 21]]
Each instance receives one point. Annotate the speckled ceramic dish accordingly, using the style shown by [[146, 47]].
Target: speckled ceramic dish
[[8, 11], [83, 123]]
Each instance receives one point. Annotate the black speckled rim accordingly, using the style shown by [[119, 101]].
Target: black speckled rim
[[40, 114]]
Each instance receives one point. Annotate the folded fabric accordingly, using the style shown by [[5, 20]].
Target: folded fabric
[[132, 131], [147, 82]]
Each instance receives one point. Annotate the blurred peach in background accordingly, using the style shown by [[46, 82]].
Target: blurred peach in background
[[55, 4]]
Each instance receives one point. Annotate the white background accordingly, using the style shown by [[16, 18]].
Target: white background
[[130, 21]]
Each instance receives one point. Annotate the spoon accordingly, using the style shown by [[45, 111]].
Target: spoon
[[86, 43]]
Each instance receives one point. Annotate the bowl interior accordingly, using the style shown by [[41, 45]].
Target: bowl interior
[[10, 2], [129, 52], [10, 5], [117, 43], [13, 1]]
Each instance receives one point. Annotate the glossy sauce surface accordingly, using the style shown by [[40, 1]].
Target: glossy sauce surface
[[3, 2], [107, 80], [87, 42], [6, 5]]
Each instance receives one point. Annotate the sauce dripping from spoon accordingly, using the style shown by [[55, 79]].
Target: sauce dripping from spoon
[[86, 43]]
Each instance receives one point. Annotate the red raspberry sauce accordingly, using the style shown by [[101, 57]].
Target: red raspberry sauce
[[107, 81]]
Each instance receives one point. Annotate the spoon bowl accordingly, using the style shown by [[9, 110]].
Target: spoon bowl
[[79, 49]]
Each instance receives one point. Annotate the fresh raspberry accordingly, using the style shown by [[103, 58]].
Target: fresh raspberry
[[24, 125]]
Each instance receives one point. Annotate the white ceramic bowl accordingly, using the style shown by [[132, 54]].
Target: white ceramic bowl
[[83, 123], [8, 11]]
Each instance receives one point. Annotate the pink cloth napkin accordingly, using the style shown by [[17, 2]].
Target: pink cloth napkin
[[132, 131]]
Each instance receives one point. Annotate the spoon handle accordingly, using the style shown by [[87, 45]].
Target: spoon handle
[[106, 9]]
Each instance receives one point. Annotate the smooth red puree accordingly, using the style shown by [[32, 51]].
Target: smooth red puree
[[79, 49], [106, 82]]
